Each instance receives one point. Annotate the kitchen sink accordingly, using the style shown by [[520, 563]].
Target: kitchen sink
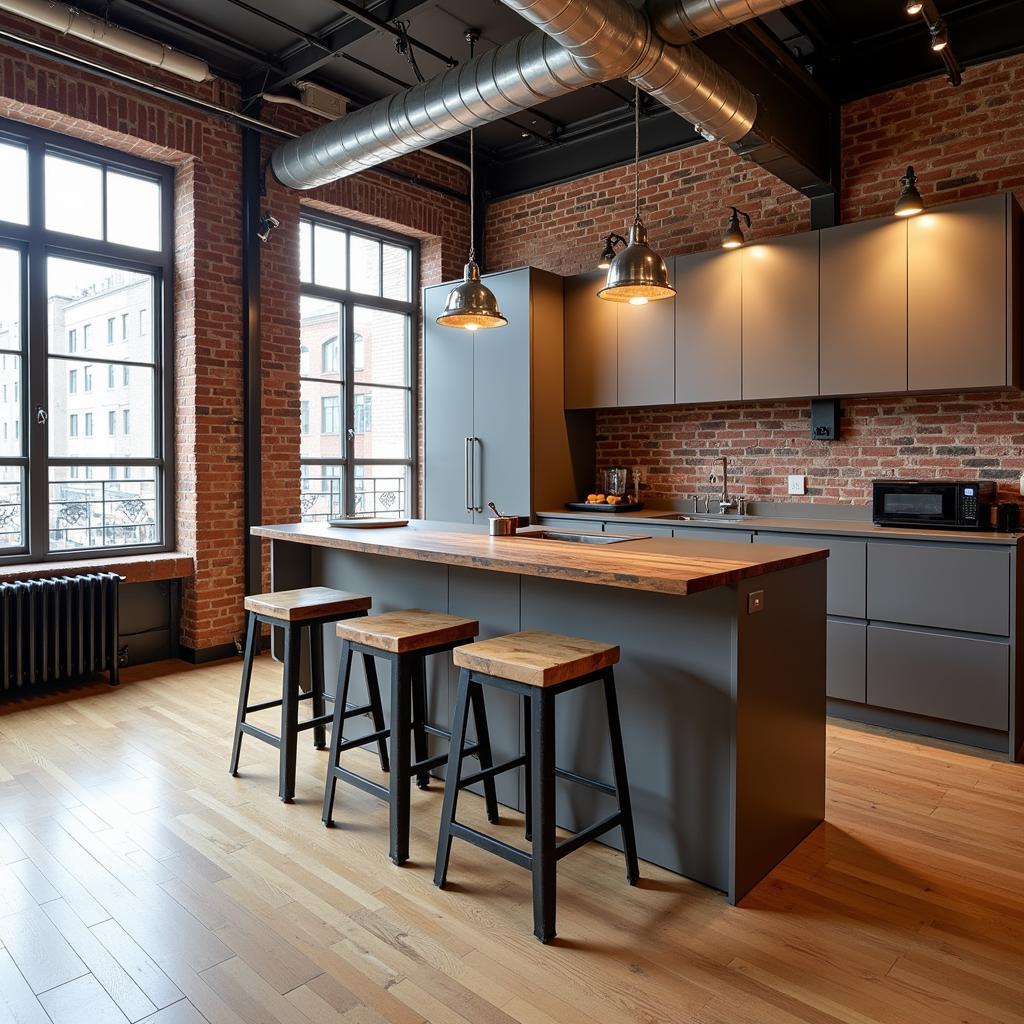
[[704, 517], [577, 538]]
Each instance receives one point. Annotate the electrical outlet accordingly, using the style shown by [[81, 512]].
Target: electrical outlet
[[797, 484], [755, 602]]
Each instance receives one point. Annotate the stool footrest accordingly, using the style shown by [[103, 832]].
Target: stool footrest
[[314, 722], [261, 734], [582, 780], [362, 741], [435, 730], [488, 773], [581, 838], [366, 785], [268, 704], [354, 711], [492, 845], [437, 760]]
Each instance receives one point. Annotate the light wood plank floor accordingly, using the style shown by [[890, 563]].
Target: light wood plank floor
[[139, 881]]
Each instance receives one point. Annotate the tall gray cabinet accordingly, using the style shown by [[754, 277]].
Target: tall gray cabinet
[[494, 428]]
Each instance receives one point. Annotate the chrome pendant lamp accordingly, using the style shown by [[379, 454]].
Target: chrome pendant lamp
[[471, 305], [637, 275]]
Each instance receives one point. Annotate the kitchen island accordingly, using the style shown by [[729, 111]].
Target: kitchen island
[[721, 682]]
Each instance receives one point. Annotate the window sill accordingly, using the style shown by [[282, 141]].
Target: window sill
[[164, 565]]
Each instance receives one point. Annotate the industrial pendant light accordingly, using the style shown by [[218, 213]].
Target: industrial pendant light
[[733, 237], [910, 201], [471, 305], [637, 274]]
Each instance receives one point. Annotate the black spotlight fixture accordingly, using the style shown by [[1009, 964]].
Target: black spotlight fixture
[[939, 34], [914, 7], [266, 225], [733, 237], [910, 202], [608, 252]]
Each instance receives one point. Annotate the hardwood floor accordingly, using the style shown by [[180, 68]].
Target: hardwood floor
[[139, 881]]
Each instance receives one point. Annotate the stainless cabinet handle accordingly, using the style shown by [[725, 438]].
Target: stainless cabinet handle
[[478, 475], [468, 473]]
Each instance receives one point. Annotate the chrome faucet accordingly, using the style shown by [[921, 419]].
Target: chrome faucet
[[725, 504]]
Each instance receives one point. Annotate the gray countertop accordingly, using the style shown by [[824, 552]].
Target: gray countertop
[[819, 525]]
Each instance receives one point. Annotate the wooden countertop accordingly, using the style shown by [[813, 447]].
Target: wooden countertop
[[667, 567]]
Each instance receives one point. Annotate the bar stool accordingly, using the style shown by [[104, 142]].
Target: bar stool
[[538, 666], [294, 610], [404, 639]]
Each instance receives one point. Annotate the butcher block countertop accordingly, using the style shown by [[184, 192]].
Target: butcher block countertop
[[661, 566]]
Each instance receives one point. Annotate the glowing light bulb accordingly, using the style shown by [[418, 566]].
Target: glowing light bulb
[[638, 300], [472, 327]]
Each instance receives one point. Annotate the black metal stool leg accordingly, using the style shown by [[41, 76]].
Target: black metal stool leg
[[400, 777], [316, 683], [243, 692], [376, 707], [337, 729], [483, 740], [418, 672], [290, 711], [528, 770], [544, 862], [621, 782], [451, 779]]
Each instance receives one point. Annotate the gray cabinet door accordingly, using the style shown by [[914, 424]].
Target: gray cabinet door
[[846, 653], [591, 351], [949, 586], [957, 313], [501, 400], [643, 529], [847, 568], [646, 351], [864, 308], [961, 679], [725, 536], [447, 413], [780, 317], [707, 336]]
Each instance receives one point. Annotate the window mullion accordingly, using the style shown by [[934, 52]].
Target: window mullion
[[348, 403]]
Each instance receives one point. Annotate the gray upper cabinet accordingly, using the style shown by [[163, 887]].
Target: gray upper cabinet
[[864, 308], [709, 364], [961, 316], [646, 351], [780, 317], [591, 346]]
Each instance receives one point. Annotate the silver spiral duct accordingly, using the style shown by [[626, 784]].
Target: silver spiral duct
[[680, 21]]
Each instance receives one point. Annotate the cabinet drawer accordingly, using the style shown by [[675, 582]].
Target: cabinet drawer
[[560, 523], [642, 529], [847, 561], [712, 533], [846, 660], [950, 586], [960, 679]]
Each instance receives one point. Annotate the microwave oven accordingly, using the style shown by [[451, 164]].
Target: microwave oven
[[942, 504]]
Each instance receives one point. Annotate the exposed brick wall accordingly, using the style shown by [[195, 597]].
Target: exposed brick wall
[[963, 142]]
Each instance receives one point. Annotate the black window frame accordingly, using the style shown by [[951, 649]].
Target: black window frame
[[36, 243], [348, 300]]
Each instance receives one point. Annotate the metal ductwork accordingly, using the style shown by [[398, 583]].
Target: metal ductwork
[[578, 43], [682, 21]]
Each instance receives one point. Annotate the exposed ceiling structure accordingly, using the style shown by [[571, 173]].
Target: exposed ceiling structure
[[800, 62]]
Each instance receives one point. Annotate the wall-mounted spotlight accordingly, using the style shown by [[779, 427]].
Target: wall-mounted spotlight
[[733, 237], [910, 201], [267, 224], [608, 252], [940, 36], [914, 7]]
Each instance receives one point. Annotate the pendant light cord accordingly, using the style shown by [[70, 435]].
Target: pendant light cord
[[636, 152], [471, 38]]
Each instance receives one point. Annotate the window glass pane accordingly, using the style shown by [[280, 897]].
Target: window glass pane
[[103, 506], [12, 507], [396, 263], [10, 405], [78, 418], [384, 415], [381, 346], [365, 265], [74, 197], [133, 210], [322, 494], [10, 298], [320, 411], [305, 251], [382, 491], [84, 297], [14, 175], [329, 257], [319, 333]]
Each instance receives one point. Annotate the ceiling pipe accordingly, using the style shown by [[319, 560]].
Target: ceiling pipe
[[72, 22], [682, 21]]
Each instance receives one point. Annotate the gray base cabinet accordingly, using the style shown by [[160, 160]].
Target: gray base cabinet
[[845, 663]]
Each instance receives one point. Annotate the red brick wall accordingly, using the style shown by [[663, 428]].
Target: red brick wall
[[963, 142]]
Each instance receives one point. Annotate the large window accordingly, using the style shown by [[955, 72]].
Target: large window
[[355, 362], [85, 250]]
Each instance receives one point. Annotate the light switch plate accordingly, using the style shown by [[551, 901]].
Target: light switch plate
[[755, 602], [797, 484]]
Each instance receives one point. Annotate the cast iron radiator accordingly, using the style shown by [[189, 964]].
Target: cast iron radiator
[[59, 629]]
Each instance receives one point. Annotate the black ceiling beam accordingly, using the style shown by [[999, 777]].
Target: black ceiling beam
[[368, 18]]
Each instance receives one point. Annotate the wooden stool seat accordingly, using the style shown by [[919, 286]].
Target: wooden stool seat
[[307, 603], [535, 658], [408, 631]]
